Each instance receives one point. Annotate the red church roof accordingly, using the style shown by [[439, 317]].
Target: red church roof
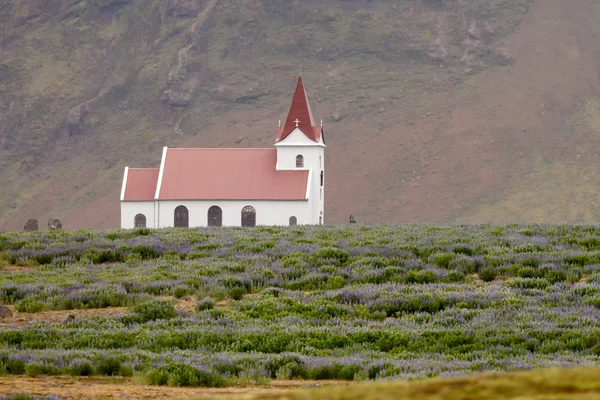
[[229, 174], [301, 112], [141, 184]]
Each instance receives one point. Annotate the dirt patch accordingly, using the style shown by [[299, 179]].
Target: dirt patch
[[186, 305], [16, 268], [23, 319], [109, 388]]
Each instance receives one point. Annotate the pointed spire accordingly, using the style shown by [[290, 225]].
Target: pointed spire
[[300, 115]]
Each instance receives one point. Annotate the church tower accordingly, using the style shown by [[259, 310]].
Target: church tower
[[301, 146]]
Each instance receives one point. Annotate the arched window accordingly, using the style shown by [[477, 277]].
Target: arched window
[[248, 217], [182, 217], [215, 216], [299, 161], [293, 221], [140, 221]]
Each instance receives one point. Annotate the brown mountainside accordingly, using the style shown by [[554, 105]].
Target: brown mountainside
[[434, 110]]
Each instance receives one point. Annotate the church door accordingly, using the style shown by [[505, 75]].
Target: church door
[[140, 221], [215, 216], [248, 217], [182, 217]]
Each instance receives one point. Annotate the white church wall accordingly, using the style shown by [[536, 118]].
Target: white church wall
[[129, 209], [267, 212], [314, 159], [297, 143]]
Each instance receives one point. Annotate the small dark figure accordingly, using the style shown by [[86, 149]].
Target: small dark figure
[[5, 312], [54, 224], [67, 319], [352, 220]]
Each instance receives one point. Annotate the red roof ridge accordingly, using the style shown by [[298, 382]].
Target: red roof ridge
[[143, 169], [301, 112], [222, 148]]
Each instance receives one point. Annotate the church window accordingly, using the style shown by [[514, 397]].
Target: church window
[[293, 221], [322, 177], [215, 216], [248, 217], [140, 221], [299, 161], [182, 217]]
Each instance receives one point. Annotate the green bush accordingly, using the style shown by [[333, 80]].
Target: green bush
[[336, 282], [29, 305], [443, 259], [205, 304], [421, 277], [454, 277], [488, 274], [526, 272], [109, 366], [331, 253], [34, 369], [237, 293], [154, 310], [555, 276], [467, 251], [183, 375], [81, 368]]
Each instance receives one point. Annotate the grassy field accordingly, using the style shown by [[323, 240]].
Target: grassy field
[[238, 307], [575, 384]]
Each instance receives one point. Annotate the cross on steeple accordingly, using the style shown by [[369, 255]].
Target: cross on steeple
[[297, 122]]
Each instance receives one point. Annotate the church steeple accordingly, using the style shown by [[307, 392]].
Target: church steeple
[[300, 117]]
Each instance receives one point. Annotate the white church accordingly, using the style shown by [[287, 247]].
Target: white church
[[283, 185]]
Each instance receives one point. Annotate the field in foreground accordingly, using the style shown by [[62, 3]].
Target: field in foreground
[[577, 384], [236, 307], [572, 384]]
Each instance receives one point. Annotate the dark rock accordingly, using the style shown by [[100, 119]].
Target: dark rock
[[5, 312], [181, 95], [31, 226], [183, 8], [177, 99], [75, 119], [54, 224], [28, 9], [107, 3]]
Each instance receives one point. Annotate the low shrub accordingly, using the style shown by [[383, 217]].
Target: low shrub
[[109, 366], [29, 305], [205, 304], [555, 276], [183, 375], [154, 310], [488, 274], [237, 293]]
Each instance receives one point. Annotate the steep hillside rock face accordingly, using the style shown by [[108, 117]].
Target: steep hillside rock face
[[415, 96]]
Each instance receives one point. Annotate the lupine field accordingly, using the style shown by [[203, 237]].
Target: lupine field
[[316, 303]]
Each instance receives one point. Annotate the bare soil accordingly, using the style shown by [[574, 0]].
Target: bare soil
[[109, 388], [186, 304]]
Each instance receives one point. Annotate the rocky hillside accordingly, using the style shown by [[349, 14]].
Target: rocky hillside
[[434, 110]]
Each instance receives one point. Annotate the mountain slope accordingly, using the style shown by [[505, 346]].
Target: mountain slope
[[434, 110]]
